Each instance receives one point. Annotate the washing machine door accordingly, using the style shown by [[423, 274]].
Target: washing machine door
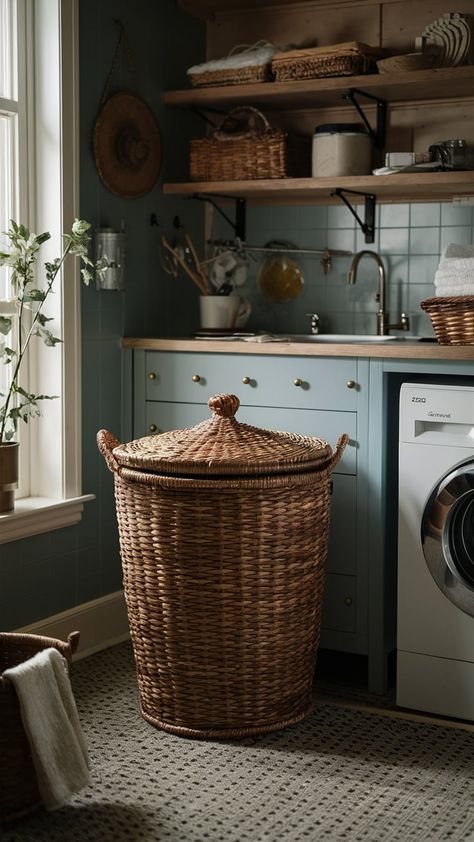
[[447, 535]]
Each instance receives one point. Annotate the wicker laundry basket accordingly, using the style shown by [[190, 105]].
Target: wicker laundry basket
[[19, 793], [223, 534], [245, 146]]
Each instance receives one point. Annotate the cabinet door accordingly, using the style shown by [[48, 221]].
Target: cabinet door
[[264, 381], [342, 553], [339, 605]]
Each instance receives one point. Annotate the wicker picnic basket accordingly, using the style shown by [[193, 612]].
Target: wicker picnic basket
[[351, 58], [245, 146], [19, 793], [452, 318], [223, 536]]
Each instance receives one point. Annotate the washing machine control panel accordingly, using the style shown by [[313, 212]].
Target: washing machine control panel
[[437, 415]]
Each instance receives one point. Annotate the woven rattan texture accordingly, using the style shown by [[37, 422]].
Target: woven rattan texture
[[452, 318], [224, 591], [319, 67], [224, 446], [19, 793], [259, 151], [232, 76]]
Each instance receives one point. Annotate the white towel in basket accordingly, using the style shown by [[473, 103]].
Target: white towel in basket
[[51, 723]]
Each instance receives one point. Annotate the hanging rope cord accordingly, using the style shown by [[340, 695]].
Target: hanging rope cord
[[122, 44]]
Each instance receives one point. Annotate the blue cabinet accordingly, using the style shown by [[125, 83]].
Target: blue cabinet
[[322, 396], [312, 396]]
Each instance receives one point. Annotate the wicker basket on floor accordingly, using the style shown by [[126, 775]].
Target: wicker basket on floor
[[452, 318], [223, 536], [349, 59], [245, 146], [19, 793]]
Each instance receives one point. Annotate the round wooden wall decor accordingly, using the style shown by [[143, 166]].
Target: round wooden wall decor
[[127, 146]]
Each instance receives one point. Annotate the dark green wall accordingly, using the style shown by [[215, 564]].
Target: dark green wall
[[49, 573]]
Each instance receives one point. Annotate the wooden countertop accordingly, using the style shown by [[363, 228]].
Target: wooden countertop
[[405, 349]]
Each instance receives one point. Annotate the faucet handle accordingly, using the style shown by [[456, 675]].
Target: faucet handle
[[315, 323]]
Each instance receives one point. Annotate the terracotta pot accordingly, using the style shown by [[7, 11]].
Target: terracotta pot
[[8, 475]]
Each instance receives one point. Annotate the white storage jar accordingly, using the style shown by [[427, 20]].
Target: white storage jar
[[341, 149]]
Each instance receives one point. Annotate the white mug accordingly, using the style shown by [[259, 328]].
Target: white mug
[[223, 311]]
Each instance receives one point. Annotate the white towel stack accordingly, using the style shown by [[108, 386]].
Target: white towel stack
[[455, 273]]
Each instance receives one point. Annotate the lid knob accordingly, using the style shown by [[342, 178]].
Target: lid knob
[[224, 405]]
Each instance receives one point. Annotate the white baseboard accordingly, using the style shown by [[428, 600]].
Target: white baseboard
[[102, 623]]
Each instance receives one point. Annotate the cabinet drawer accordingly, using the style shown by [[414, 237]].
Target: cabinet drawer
[[270, 381], [161, 416], [339, 603]]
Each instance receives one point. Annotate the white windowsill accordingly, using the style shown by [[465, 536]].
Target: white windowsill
[[33, 515]]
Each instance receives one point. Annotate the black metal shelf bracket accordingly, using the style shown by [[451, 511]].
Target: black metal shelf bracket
[[368, 225], [381, 123], [240, 211]]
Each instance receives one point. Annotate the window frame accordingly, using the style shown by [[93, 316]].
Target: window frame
[[55, 497]]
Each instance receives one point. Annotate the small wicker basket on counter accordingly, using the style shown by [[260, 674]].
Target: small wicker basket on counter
[[19, 794], [452, 318], [223, 536], [245, 146]]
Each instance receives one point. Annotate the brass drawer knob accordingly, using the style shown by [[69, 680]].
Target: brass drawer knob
[[298, 382], [246, 380], [152, 428], [348, 601], [195, 378], [151, 375], [351, 384]]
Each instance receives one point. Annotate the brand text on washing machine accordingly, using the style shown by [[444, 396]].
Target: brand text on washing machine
[[418, 400], [439, 414]]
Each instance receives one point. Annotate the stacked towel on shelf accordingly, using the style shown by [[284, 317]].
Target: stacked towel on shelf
[[455, 273]]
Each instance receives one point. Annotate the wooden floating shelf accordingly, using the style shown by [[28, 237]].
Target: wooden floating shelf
[[427, 187], [436, 83]]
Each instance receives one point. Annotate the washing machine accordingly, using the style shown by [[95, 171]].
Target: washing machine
[[435, 613]]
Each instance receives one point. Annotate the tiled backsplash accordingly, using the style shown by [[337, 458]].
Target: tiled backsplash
[[409, 238]]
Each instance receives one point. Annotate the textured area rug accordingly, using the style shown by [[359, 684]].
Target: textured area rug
[[341, 774]]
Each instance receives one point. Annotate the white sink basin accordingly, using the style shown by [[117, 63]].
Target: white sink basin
[[339, 337]]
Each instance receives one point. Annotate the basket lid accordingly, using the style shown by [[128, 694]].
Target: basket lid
[[222, 445]]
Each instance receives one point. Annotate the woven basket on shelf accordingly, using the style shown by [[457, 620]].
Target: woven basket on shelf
[[223, 537], [245, 146], [19, 793], [207, 75], [349, 59], [452, 318]]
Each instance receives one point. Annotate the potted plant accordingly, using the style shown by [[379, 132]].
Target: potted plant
[[21, 319]]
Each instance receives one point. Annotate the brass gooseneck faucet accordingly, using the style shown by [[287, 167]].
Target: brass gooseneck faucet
[[383, 327]]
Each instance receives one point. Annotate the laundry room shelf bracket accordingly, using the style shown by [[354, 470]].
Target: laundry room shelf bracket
[[239, 222], [381, 115], [367, 225]]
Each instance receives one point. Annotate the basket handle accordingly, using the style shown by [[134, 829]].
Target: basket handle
[[242, 122], [73, 641], [106, 443], [240, 49], [340, 448]]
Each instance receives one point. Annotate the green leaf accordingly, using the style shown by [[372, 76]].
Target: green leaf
[[34, 295], [5, 325], [42, 319], [47, 337], [42, 238]]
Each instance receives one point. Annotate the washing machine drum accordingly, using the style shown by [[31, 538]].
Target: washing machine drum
[[447, 535]]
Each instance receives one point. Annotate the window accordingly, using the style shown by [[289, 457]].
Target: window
[[39, 183]]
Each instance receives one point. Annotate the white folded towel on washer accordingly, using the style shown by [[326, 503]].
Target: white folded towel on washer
[[51, 723]]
